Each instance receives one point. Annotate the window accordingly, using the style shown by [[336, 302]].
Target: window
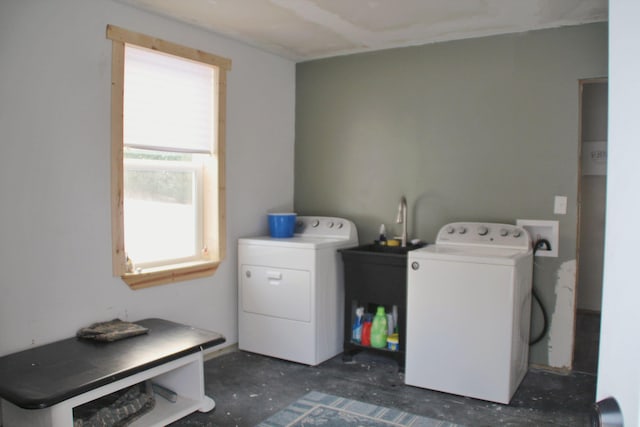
[[168, 133]]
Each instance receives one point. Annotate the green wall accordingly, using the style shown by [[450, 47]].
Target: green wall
[[473, 130]]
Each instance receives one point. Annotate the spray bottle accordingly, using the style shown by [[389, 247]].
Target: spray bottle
[[356, 334], [382, 239]]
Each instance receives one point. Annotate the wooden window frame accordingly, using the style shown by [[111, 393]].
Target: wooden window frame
[[215, 228]]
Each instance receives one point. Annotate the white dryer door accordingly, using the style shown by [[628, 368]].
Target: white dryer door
[[276, 292]]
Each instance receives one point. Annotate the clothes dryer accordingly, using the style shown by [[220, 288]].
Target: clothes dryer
[[469, 309], [291, 292]]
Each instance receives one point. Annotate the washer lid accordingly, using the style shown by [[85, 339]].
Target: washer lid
[[470, 254]]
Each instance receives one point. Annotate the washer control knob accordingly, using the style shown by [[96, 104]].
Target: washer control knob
[[462, 230], [330, 224], [483, 230], [504, 232], [340, 225], [516, 233], [415, 265], [450, 230], [315, 223]]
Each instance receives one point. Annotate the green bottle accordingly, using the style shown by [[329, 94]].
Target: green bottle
[[379, 329]]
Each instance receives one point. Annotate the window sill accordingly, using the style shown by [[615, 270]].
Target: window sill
[[170, 274]]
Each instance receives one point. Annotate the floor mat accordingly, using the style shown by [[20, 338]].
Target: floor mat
[[326, 410]]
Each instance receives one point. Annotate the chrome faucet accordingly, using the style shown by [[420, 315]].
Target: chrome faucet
[[401, 218]]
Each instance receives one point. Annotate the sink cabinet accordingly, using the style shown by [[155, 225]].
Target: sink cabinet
[[373, 278]]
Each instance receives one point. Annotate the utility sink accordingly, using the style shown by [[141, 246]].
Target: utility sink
[[375, 275], [383, 249]]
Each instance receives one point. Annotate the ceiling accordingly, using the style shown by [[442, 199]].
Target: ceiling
[[302, 30]]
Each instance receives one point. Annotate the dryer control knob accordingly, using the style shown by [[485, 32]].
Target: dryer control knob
[[504, 232], [330, 224], [340, 225], [516, 233], [462, 230], [450, 230], [315, 223], [482, 230], [415, 265]]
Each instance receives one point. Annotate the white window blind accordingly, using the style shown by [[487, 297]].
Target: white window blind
[[168, 103]]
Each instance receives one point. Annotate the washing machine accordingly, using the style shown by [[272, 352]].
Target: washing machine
[[469, 310], [291, 291]]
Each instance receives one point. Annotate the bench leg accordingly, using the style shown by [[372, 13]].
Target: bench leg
[[207, 404], [59, 415]]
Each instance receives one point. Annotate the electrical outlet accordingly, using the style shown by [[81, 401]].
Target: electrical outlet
[[539, 229], [560, 205]]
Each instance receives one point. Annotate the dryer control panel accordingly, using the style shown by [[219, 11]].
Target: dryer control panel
[[325, 226], [484, 234]]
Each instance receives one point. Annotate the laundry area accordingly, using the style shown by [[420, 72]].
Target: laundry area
[[465, 301], [416, 225], [487, 295], [456, 313]]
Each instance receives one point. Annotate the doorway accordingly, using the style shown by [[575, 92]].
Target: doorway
[[591, 219]]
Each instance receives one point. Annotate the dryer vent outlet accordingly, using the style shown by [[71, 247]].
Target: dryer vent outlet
[[539, 229]]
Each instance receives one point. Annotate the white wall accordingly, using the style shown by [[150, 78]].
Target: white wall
[[55, 231], [619, 367]]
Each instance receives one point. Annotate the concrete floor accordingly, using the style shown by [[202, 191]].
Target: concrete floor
[[248, 388]]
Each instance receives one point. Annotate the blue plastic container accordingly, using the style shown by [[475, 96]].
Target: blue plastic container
[[282, 225]]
